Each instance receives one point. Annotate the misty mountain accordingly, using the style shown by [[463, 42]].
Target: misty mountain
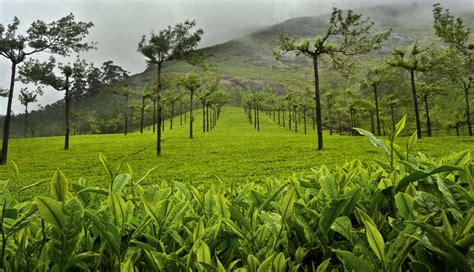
[[248, 61]]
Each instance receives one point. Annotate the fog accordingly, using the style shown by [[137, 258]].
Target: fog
[[118, 25]]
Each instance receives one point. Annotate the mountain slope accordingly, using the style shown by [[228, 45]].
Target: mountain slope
[[248, 63]]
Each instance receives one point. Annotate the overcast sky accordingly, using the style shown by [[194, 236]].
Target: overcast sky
[[119, 24]]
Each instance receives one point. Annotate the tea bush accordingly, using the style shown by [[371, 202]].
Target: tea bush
[[409, 212]]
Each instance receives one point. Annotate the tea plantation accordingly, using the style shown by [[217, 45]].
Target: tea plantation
[[238, 199], [232, 152]]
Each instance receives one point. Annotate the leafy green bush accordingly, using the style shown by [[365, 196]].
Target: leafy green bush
[[411, 212]]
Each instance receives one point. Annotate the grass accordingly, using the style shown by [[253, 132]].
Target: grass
[[232, 152]]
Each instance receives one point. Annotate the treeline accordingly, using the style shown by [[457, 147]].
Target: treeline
[[428, 82]]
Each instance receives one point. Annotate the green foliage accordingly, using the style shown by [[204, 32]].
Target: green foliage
[[357, 216]]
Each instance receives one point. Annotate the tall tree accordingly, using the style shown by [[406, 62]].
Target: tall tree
[[59, 37], [44, 73], [191, 82], [413, 60], [452, 31], [26, 97], [373, 79], [172, 43], [346, 36]]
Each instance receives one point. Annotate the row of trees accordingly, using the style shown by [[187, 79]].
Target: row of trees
[[177, 98], [431, 69]]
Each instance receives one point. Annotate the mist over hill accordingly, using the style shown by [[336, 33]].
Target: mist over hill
[[248, 62]]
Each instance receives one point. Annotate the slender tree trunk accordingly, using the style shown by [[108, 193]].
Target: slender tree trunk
[[427, 112], [376, 98], [278, 117], [283, 118], [181, 114], [258, 119], [317, 95], [339, 123], [296, 119], [67, 99], [172, 114], [457, 129], [207, 117], [26, 118], [131, 120], [163, 123], [289, 118], [415, 104], [142, 115], [255, 117], [304, 119], [468, 112], [158, 101], [6, 122], [273, 115], [185, 114], [191, 116]]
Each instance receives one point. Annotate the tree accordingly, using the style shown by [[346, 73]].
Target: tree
[[346, 36], [112, 73], [44, 73], [172, 43], [373, 79], [146, 93], [126, 92], [26, 98], [191, 82], [59, 37], [453, 32], [413, 61]]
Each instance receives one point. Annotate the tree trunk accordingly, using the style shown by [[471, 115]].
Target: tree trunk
[[278, 117], [304, 119], [339, 122], [283, 118], [191, 116], [207, 117], [163, 123], [255, 118], [317, 95], [158, 101], [26, 118], [6, 123], [427, 112], [258, 119], [376, 98], [68, 104], [457, 129], [142, 113], [468, 112], [296, 119], [415, 104], [181, 114], [289, 118], [172, 114]]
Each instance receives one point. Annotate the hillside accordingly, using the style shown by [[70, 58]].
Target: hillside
[[248, 63]]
